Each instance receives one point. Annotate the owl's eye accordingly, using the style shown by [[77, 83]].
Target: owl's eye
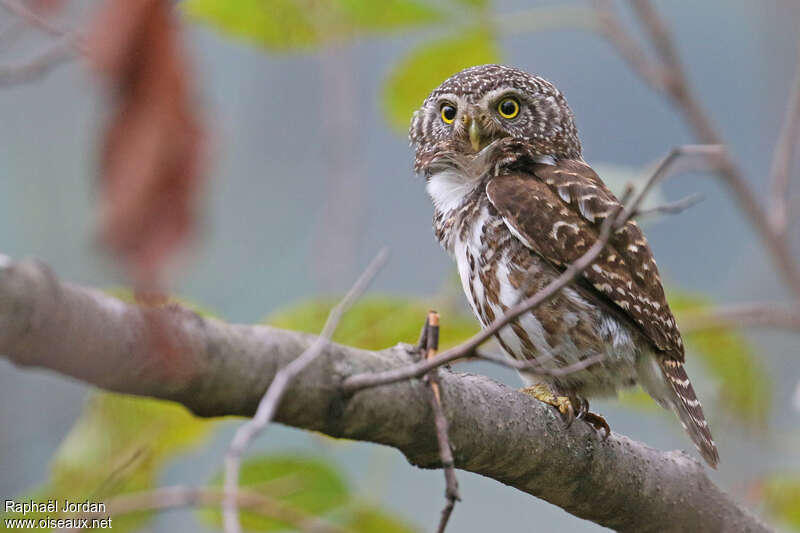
[[508, 108], [448, 113]]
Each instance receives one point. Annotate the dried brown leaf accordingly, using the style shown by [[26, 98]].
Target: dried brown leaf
[[151, 152]]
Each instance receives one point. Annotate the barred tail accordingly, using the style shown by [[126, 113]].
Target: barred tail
[[689, 410]]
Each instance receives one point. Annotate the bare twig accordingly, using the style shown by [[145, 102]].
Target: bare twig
[[782, 159], [614, 31], [431, 343], [180, 496], [35, 19], [10, 32], [666, 74], [37, 66], [663, 170], [764, 315], [671, 208], [269, 403], [536, 367], [468, 347]]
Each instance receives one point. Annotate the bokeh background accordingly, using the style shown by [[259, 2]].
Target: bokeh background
[[309, 175]]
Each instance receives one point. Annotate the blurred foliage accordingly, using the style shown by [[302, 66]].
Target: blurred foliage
[[376, 322], [364, 519], [307, 486], [287, 25], [410, 82], [119, 444], [781, 498], [284, 25], [743, 385], [745, 388]]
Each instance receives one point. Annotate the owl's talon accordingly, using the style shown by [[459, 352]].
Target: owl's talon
[[598, 422], [544, 393]]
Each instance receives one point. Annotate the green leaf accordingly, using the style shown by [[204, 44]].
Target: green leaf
[[473, 3], [306, 484], [283, 25], [781, 494], [273, 24], [745, 388], [637, 398], [376, 322], [119, 444], [386, 14], [427, 66], [374, 520]]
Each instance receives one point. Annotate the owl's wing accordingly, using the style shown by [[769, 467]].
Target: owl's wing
[[557, 210]]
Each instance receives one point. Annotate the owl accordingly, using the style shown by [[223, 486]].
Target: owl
[[514, 205]]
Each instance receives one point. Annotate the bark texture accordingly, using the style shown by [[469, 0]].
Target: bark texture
[[215, 369]]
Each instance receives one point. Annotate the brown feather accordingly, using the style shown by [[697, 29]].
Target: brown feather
[[557, 210]]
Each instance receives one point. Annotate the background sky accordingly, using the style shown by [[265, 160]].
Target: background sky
[[292, 209]]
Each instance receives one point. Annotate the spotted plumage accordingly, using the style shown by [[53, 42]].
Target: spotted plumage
[[514, 204]]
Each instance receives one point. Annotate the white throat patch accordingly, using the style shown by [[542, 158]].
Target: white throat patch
[[449, 188]]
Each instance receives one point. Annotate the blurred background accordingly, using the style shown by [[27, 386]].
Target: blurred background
[[309, 173]]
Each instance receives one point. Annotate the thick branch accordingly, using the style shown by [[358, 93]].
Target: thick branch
[[223, 369]]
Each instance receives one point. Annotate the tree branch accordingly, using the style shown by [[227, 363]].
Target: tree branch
[[269, 403], [224, 369], [764, 315], [782, 158]]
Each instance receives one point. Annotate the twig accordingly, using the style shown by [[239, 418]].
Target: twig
[[431, 342], [742, 315], [32, 17], [468, 347], [179, 496], [536, 367], [614, 31], [37, 66], [782, 159], [10, 33], [269, 403], [672, 208], [668, 77], [663, 169]]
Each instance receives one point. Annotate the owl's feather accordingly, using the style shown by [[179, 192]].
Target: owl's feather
[[557, 211]]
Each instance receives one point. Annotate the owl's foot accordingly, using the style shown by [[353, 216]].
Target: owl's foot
[[593, 419], [544, 393]]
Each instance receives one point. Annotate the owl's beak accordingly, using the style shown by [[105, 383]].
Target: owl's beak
[[474, 134], [474, 129]]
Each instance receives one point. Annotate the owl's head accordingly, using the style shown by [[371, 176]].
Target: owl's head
[[482, 104]]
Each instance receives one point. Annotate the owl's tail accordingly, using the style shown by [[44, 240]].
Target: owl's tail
[[689, 410]]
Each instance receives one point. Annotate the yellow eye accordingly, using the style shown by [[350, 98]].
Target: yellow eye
[[448, 113], [508, 108]]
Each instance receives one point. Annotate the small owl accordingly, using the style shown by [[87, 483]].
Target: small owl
[[514, 205]]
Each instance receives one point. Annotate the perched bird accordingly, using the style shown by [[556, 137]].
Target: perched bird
[[514, 205]]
